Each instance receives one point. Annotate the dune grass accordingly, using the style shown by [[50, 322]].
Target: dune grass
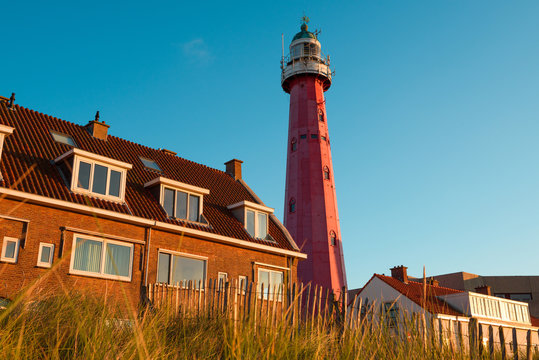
[[78, 327]]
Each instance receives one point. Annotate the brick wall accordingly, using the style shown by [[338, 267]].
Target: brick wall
[[46, 225]]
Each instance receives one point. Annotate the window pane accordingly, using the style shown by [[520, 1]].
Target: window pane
[[45, 254], [164, 268], [264, 280], [181, 205], [150, 164], [62, 138], [250, 221], [262, 226], [169, 202], [87, 255], [100, 179], [193, 207], [117, 260], [185, 269], [10, 249], [84, 175], [114, 185]]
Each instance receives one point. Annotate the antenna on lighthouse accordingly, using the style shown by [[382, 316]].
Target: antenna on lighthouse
[[282, 46]]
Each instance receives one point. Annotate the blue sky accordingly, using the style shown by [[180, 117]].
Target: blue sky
[[433, 113]]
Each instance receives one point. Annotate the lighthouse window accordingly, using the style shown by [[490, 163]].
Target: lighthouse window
[[332, 238], [304, 136], [292, 205], [321, 116], [314, 136], [323, 138], [306, 50], [294, 144], [326, 173]]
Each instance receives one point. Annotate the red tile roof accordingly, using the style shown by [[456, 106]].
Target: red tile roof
[[27, 165], [414, 291]]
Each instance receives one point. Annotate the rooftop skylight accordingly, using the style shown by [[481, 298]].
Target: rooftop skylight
[[63, 138], [150, 164]]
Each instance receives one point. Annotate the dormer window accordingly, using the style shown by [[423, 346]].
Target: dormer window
[[94, 175], [63, 138], [254, 218], [179, 200]]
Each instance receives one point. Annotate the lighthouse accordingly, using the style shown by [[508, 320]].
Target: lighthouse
[[311, 214]]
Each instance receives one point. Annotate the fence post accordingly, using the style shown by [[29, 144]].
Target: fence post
[[472, 334], [491, 341], [502, 343], [480, 339], [515, 344], [459, 335], [529, 345]]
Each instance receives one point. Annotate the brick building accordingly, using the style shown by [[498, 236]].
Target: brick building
[[81, 209]]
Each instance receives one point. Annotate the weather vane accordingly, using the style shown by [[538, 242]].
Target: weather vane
[[305, 19]]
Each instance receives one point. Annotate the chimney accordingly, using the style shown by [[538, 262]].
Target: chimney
[[233, 168], [98, 129], [399, 273], [433, 282], [485, 289]]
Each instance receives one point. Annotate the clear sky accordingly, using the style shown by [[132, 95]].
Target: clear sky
[[433, 113]]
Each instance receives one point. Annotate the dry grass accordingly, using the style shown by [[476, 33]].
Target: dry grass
[[76, 327]]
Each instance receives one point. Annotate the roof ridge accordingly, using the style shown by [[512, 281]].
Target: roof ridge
[[417, 282], [113, 136]]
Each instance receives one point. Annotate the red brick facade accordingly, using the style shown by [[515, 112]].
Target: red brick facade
[[32, 212]]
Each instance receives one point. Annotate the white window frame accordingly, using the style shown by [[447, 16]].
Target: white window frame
[[162, 202], [41, 263], [93, 159], [240, 210], [101, 273], [15, 257], [256, 222], [270, 292], [221, 286], [187, 255], [179, 186]]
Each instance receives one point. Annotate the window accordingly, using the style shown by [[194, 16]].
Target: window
[[272, 281], [256, 224], [304, 136], [99, 257], [222, 280], [332, 238], [10, 249], [150, 164], [181, 205], [321, 116], [391, 312], [326, 173], [45, 255], [176, 267], [525, 297], [94, 174], [63, 138], [292, 205], [294, 145], [243, 282], [314, 136]]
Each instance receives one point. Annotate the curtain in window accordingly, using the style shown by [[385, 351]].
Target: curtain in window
[[117, 259], [87, 255]]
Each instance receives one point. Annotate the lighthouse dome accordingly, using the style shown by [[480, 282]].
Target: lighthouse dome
[[304, 33]]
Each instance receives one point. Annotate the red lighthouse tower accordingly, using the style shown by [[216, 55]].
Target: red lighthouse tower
[[311, 214]]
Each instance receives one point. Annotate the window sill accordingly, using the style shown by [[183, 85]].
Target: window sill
[[8, 260], [99, 276], [110, 198]]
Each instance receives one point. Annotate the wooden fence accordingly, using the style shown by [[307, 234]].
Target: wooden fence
[[303, 305]]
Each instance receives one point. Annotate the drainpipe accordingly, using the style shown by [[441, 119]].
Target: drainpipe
[[148, 243]]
